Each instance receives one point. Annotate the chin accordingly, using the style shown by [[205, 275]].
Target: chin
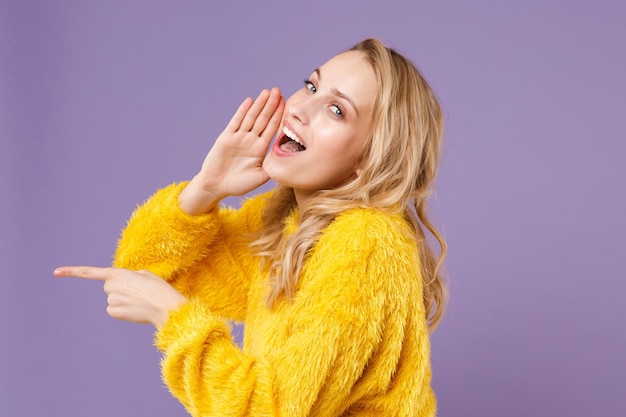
[[281, 173], [272, 171], [268, 166], [281, 180]]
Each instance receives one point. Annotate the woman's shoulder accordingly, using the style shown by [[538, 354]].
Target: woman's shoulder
[[371, 223], [368, 232], [374, 247], [255, 202], [250, 212]]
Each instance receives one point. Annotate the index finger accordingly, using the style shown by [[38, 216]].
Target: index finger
[[237, 118], [267, 112], [274, 122], [87, 272]]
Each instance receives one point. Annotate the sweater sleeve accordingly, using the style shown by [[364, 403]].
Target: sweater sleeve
[[206, 371], [335, 344], [205, 255]]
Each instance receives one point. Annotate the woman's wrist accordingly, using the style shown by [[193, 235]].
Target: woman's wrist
[[196, 199], [163, 312]]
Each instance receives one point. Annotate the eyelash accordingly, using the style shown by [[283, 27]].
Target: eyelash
[[335, 109], [308, 84]]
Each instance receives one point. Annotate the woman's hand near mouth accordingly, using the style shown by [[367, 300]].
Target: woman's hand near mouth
[[233, 167]]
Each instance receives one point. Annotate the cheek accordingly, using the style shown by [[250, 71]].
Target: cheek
[[352, 144], [346, 152]]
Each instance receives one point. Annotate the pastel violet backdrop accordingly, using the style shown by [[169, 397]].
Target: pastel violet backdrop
[[104, 102]]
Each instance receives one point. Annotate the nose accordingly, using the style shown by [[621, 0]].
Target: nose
[[300, 110]]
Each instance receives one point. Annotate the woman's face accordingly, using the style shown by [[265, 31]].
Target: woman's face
[[324, 127]]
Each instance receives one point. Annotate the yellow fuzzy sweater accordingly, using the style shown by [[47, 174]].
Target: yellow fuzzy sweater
[[352, 342]]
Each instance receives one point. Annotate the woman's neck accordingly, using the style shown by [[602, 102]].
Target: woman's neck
[[302, 197]]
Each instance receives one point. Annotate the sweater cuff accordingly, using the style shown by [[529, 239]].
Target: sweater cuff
[[188, 325], [164, 204]]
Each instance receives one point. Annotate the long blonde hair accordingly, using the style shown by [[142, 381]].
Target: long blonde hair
[[398, 165]]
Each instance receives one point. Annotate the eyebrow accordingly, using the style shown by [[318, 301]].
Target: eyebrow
[[338, 93]]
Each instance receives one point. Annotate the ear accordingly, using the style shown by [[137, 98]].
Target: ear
[[359, 171]]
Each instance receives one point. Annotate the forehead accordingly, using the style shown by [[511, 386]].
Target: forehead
[[351, 73]]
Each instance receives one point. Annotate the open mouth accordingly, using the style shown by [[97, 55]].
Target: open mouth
[[290, 142]]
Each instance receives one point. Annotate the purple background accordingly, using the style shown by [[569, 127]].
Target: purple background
[[103, 102]]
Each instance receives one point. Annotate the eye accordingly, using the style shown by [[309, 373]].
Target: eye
[[308, 84], [336, 110]]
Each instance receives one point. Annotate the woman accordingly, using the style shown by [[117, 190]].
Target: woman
[[330, 271]]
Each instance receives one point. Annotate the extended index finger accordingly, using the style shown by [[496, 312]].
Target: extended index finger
[[87, 272]]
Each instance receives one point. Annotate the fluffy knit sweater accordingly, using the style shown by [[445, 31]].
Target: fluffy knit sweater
[[352, 342]]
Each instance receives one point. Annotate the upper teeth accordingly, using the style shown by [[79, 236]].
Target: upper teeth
[[292, 135]]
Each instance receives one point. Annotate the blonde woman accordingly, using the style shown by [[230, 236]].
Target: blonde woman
[[330, 272]]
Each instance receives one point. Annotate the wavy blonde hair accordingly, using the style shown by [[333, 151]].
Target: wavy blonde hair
[[398, 165]]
